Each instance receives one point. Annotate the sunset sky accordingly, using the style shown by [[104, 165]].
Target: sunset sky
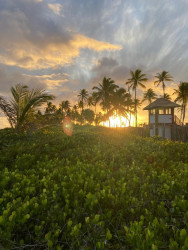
[[64, 46]]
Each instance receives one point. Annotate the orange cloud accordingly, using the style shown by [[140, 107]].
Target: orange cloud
[[28, 55]]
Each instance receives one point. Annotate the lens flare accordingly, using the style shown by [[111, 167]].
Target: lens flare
[[67, 126]]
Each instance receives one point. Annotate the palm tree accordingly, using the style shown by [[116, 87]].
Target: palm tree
[[167, 96], [137, 79], [74, 112], [182, 97], [90, 101], [22, 104], [95, 100], [104, 92], [65, 107], [83, 95], [149, 95], [118, 102], [130, 104], [161, 78], [50, 109], [80, 106]]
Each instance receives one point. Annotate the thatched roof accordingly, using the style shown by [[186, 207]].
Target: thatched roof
[[161, 103]]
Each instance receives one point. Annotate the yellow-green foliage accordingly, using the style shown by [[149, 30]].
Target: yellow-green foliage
[[99, 189]]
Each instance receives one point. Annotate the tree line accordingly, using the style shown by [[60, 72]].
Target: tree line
[[22, 110]]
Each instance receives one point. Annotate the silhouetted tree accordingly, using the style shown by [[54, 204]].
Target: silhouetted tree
[[137, 79]]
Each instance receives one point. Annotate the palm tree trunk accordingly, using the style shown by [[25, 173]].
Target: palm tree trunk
[[130, 119], [108, 118], [163, 90], [183, 113], [135, 109]]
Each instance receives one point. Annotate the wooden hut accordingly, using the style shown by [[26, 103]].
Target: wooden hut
[[162, 118]]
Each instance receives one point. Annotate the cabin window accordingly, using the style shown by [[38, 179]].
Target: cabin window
[[161, 111], [166, 111], [152, 112]]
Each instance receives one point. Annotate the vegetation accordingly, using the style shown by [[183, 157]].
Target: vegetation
[[137, 79], [23, 113], [99, 189], [21, 107], [182, 97], [161, 78], [149, 95]]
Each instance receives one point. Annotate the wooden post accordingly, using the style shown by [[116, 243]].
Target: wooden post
[[156, 121], [173, 125], [149, 117]]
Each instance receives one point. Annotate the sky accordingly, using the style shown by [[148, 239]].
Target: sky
[[64, 46]]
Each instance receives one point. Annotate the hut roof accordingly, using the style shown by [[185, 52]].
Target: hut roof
[[161, 103]]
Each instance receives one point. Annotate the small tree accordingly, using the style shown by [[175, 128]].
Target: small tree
[[137, 79], [161, 78], [149, 95], [24, 101]]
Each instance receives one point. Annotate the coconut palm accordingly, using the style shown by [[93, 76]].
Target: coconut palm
[[95, 100], [130, 104], [167, 96], [118, 102], [83, 95], [65, 107], [182, 97], [163, 77], [90, 101], [50, 109], [149, 95], [74, 112], [22, 104], [104, 92], [136, 80]]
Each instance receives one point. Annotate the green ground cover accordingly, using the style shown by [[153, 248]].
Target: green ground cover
[[99, 189]]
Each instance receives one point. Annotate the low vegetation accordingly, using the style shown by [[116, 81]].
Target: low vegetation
[[99, 189]]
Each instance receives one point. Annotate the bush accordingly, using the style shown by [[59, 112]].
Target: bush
[[99, 189]]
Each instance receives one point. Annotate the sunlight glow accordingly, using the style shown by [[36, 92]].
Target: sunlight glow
[[119, 121]]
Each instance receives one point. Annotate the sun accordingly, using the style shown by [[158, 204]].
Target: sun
[[119, 121]]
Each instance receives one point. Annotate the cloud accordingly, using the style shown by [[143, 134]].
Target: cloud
[[92, 40], [56, 8], [39, 41]]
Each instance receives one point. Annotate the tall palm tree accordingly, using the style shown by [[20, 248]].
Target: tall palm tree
[[149, 95], [104, 92], [130, 104], [80, 106], [83, 95], [161, 78], [118, 102], [182, 97], [137, 79], [22, 104], [95, 100], [74, 112]]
